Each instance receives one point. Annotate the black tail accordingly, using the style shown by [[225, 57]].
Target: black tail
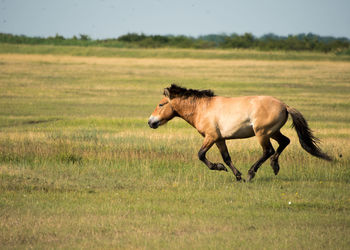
[[307, 140]]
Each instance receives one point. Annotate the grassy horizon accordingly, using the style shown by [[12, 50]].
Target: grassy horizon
[[172, 53], [80, 168]]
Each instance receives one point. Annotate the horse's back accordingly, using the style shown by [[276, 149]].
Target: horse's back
[[246, 116]]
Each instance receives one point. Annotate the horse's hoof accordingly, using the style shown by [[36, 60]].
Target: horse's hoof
[[250, 176], [240, 179], [275, 166], [220, 167]]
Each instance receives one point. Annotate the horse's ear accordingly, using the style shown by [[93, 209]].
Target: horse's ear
[[166, 92]]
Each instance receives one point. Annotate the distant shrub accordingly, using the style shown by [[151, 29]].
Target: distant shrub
[[301, 42], [84, 37], [132, 37]]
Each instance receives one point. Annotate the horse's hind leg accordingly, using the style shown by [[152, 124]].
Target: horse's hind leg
[[227, 159], [267, 152], [283, 142]]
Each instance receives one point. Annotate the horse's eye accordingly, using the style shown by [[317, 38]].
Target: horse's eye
[[162, 104]]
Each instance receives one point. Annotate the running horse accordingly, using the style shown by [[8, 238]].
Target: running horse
[[219, 118]]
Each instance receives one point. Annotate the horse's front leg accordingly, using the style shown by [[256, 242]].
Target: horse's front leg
[[227, 159], [207, 143]]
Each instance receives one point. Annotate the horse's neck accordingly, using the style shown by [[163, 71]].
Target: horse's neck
[[186, 109]]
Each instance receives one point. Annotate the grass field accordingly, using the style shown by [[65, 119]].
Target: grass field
[[79, 167]]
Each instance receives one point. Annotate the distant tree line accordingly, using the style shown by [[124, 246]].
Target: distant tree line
[[301, 42]]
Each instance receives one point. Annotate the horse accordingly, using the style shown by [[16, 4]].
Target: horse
[[219, 118]]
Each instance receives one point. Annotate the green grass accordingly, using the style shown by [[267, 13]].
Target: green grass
[[79, 167], [228, 54]]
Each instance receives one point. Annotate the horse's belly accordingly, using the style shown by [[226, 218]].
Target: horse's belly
[[236, 132]]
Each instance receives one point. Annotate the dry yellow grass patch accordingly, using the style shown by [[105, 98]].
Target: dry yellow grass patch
[[281, 68]]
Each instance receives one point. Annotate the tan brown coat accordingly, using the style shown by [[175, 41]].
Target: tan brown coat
[[219, 118]]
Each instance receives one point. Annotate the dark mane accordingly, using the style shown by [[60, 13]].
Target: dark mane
[[177, 91]]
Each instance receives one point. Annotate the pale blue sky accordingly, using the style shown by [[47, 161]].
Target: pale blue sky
[[112, 18]]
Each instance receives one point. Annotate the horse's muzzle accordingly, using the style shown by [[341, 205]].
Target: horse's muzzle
[[153, 122]]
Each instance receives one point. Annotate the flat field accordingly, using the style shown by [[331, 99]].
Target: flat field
[[80, 168]]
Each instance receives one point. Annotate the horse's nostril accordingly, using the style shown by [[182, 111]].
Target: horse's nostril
[[153, 122]]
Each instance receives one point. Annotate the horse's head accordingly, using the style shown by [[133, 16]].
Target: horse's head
[[163, 113]]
